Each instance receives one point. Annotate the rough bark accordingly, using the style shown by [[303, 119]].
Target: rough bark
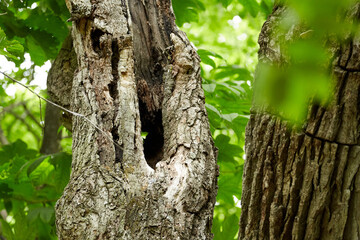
[[137, 72], [304, 184]]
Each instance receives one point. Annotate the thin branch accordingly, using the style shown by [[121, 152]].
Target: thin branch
[[64, 109], [3, 13]]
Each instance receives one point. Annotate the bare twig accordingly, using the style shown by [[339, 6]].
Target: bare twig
[[64, 109], [3, 13]]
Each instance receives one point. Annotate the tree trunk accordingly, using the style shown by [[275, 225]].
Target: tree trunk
[[59, 82], [137, 73], [51, 138], [305, 184]]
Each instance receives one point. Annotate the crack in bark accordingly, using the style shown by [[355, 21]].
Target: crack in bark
[[114, 92], [326, 140]]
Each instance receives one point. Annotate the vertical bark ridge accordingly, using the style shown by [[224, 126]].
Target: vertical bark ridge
[[137, 72], [303, 183]]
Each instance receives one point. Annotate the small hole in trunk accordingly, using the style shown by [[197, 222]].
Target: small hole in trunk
[[153, 135]]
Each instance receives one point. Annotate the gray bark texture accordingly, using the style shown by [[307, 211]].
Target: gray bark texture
[[136, 73], [305, 184]]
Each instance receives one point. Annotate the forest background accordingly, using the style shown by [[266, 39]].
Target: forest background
[[225, 34]]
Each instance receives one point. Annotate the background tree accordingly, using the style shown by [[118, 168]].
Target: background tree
[[301, 176]]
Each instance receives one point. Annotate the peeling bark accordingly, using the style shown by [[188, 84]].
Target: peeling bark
[[137, 72], [304, 184]]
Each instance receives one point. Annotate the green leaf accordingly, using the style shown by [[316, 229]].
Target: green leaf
[[251, 6], [187, 10], [24, 190], [58, 7], [62, 165], [15, 48], [227, 151], [216, 227], [230, 226], [21, 227], [266, 6], [210, 88], [11, 49], [35, 164], [5, 191], [207, 60], [214, 116], [233, 71], [33, 214], [230, 185], [206, 55], [239, 124], [230, 117], [17, 148], [19, 4], [8, 205], [6, 230], [44, 213], [39, 20], [225, 3], [36, 51]]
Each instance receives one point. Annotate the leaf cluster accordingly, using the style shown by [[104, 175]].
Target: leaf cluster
[[30, 184], [38, 26]]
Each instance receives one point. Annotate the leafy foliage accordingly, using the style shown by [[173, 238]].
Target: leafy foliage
[[30, 184], [187, 10], [39, 26], [11, 49]]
